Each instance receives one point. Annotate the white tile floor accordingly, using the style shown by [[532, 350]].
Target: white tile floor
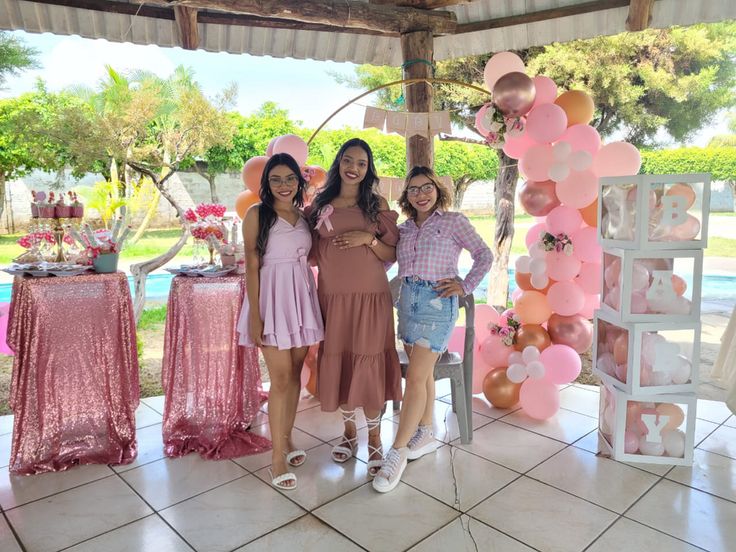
[[521, 485]]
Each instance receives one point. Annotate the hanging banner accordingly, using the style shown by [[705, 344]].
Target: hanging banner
[[374, 118], [439, 121], [417, 125], [396, 122]]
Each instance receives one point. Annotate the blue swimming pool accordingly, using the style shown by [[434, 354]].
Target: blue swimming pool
[[715, 288]]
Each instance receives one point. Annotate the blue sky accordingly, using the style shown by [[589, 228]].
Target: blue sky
[[304, 87]]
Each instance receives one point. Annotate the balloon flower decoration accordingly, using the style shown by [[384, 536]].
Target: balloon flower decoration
[[561, 157], [253, 170]]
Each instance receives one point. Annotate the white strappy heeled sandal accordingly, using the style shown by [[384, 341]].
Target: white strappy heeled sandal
[[374, 466], [349, 445], [280, 481], [293, 458]]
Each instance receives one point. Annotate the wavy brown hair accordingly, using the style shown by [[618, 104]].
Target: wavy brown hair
[[443, 198]]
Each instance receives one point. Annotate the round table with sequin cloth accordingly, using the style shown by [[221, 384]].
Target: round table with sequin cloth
[[74, 389]]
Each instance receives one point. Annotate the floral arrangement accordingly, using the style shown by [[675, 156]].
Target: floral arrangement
[[498, 126], [561, 243], [101, 241], [507, 332], [206, 221]]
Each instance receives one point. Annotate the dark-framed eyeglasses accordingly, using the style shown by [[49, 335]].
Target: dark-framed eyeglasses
[[278, 182], [416, 190]]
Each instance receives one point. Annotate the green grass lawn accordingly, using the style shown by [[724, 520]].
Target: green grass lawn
[[155, 242]]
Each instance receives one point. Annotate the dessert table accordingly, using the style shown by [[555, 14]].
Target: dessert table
[[212, 386], [74, 388]]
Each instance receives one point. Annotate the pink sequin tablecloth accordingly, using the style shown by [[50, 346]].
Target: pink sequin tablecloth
[[74, 389], [212, 385]]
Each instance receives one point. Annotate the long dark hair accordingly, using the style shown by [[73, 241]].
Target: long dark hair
[[266, 213], [367, 198]]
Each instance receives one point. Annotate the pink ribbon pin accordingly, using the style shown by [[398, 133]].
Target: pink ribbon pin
[[324, 217]]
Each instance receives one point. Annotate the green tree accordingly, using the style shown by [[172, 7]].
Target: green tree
[[15, 56]]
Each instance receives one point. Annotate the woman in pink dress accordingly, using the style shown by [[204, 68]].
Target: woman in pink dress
[[355, 235], [278, 279]]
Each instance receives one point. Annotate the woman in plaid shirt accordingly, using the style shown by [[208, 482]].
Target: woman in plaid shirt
[[430, 242]]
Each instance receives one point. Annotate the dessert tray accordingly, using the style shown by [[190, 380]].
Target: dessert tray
[[44, 269], [209, 271]]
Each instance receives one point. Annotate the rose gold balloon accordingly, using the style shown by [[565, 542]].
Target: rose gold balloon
[[574, 331], [683, 190], [523, 280], [532, 335], [678, 284], [621, 349], [538, 198], [499, 390], [513, 94]]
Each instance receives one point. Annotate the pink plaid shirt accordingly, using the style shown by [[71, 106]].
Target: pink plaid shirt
[[431, 251]]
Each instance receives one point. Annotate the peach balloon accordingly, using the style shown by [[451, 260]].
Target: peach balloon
[[675, 413], [578, 107], [679, 285], [683, 190], [253, 171], [621, 348], [318, 178], [523, 280], [532, 307], [590, 214], [499, 390], [244, 201], [532, 335]]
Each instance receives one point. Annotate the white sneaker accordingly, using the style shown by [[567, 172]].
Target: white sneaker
[[421, 443], [394, 464]]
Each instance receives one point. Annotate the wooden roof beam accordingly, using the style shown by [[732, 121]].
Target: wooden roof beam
[[640, 15], [348, 14], [421, 4], [186, 20]]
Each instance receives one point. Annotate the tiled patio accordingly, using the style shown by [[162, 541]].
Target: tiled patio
[[521, 485]]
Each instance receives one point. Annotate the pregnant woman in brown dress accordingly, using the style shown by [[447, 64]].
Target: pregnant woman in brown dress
[[355, 235]]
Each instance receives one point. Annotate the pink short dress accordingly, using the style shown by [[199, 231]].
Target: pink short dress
[[288, 297]]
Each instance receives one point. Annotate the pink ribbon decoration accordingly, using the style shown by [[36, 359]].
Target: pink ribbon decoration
[[324, 217]]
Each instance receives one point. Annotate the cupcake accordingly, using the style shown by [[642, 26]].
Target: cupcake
[[76, 207], [61, 209]]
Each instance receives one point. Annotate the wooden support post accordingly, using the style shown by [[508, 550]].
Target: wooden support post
[[640, 15], [186, 19], [418, 45]]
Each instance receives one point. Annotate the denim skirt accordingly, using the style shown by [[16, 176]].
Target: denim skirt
[[425, 318]]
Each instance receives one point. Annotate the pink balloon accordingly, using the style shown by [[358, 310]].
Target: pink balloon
[[532, 235], [592, 303], [480, 369], [546, 90], [579, 189], [585, 245], [536, 162], [566, 298], [562, 267], [457, 340], [582, 138], [515, 148], [563, 220], [546, 123], [639, 304], [294, 146], [499, 65], [562, 364], [538, 198], [516, 293], [612, 273], [589, 277], [631, 442], [479, 120], [540, 399], [485, 315], [617, 159], [688, 230], [269, 148], [494, 352]]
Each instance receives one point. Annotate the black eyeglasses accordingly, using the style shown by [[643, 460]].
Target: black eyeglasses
[[278, 182], [424, 188]]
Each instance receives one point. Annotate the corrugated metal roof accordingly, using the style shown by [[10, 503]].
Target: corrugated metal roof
[[358, 48]]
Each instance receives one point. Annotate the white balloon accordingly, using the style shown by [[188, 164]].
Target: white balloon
[[537, 251], [558, 172], [515, 358], [539, 281], [538, 266], [682, 371], [606, 364], [561, 151], [580, 160], [649, 342], [530, 353], [674, 443], [516, 373], [535, 369], [650, 449], [522, 263]]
